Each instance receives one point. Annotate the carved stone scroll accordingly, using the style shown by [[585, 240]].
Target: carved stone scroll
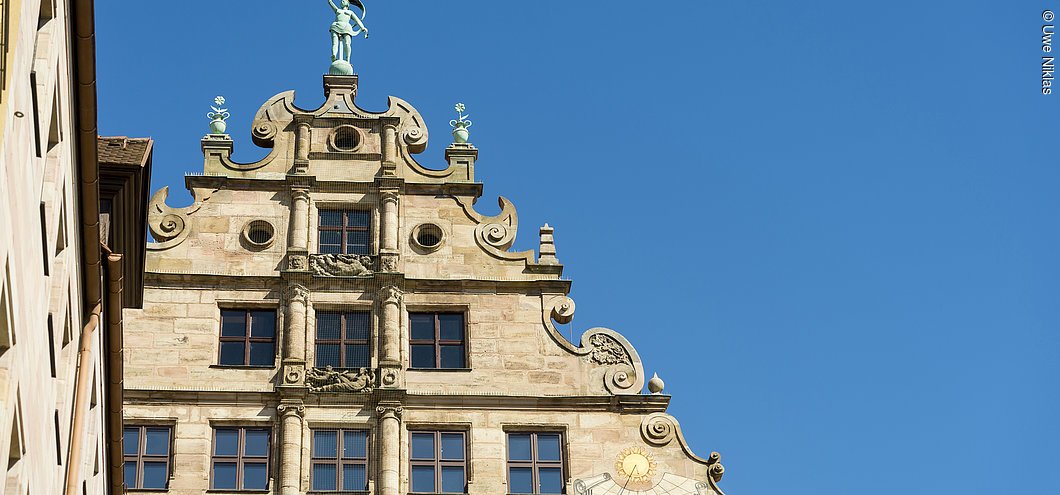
[[170, 226], [661, 429], [624, 373]]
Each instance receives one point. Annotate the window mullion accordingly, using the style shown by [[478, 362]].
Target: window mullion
[[246, 338]]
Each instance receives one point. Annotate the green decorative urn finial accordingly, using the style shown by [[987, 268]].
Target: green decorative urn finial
[[218, 116], [460, 125], [342, 33]]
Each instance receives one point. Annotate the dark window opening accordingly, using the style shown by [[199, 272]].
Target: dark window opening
[[340, 460], [438, 462], [146, 452], [344, 232], [248, 338], [346, 139], [437, 340], [535, 463], [240, 459], [342, 340]]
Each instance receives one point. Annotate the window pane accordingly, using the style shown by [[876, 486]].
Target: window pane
[[520, 480], [423, 356], [453, 446], [263, 324], [130, 474], [451, 327], [255, 476], [155, 475], [353, 477], [330, 218], [233, 323], [257, 443], [550, 479], [328, 355], [548, 447], [328, 326], [325, 444], [423, 479], [224, 475], [354, 445], [423, 445], [330, 237], [232, 353], [262, 353], [330, 249], [357, 218], [357, 242], [357, 326], [422, 326], [325, 477], [519, 446], [357, 356], [452, 356], [157, 441], [453, 479], [131, 441], [226, 442]]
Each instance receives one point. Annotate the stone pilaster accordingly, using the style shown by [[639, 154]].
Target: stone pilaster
[[390, 150], [291, 447], [389, 447]]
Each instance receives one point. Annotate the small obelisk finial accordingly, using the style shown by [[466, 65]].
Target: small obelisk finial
[[547, 249], [218, 116], [342, 33]]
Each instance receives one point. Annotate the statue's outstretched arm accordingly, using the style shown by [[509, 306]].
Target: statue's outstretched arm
[[333, 6], [356, 19]]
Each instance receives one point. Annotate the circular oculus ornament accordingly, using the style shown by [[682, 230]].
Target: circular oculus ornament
[[636, 464]]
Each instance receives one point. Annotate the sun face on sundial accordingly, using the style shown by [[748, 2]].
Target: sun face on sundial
[[635, 464]]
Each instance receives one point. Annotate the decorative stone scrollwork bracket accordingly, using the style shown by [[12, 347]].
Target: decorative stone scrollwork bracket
[[624, 373], [661, 429], [340, 265], [171, 226], [496, 235], [331, 380]]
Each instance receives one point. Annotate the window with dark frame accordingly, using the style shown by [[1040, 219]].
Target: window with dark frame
[[248, 338], [344, 232], [146, 453], [437, 340], [535, 463], [438, 462], [342, 339], [340, 460], [240, 459]]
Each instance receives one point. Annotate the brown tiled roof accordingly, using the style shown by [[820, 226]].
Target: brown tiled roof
[[121, 150]]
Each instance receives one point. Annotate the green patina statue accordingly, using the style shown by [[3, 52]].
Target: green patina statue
[[342, 33]]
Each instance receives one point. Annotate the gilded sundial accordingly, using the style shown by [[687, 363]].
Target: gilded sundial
[[635, 464]]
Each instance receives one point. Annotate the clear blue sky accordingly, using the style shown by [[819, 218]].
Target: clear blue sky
[[832, 228]]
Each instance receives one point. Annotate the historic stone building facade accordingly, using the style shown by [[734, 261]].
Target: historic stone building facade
[[338, 317], [72, 240]]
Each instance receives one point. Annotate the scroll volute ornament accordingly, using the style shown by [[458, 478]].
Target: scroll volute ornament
[[171, 226], [661, 429]]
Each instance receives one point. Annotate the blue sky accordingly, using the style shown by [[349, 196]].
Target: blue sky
[[830, 227]]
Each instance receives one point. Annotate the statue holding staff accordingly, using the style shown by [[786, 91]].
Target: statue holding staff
[[342, 33]]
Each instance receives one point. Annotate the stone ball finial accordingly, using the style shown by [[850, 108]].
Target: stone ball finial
[[655, 385]]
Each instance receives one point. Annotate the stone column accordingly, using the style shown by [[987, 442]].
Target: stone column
[[301, 148], [295, 324], [390, 333], [390, 144], [298, 235], [389, 448], [291, 448], [389, 220]]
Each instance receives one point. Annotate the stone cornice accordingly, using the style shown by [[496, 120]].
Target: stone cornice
[[232, 281]]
